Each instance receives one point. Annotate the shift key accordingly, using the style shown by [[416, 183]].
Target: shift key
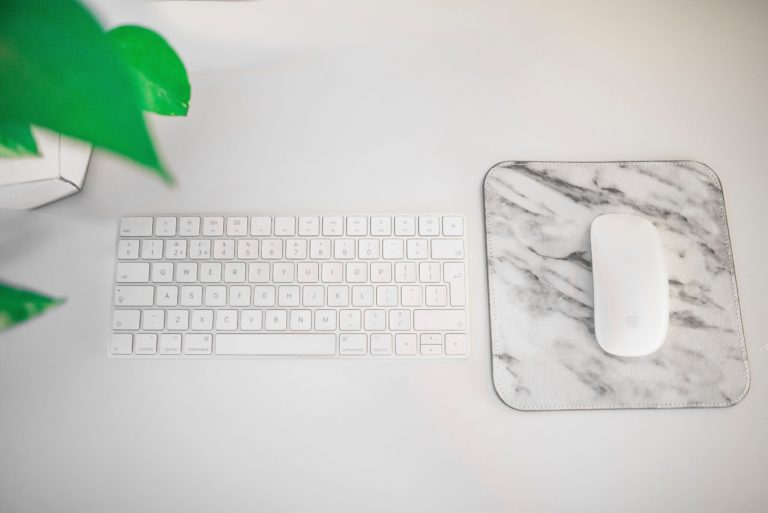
[[440, 320], [134, 296]]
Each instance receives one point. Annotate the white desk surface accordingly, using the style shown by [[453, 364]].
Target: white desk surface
[[387, 106]]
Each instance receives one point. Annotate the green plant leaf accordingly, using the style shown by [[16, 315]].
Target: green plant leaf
[[59, 70], [161, 75], [16, 140], [18, 305]]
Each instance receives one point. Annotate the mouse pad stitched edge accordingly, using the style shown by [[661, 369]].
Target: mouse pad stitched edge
[[545, 356]]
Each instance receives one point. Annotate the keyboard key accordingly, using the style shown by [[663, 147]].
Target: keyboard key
[[436, 295], [308, 272], [309, 226], [357, 226], [234, 272], [213, 226], [258, 272], [400, 320], [272, 249], [412, 295], [381, 272], [226, 320], [240, 295], [431, 349], [325, 320], [178, 320], [429, 272], [121, 344], [276, 344], [454, 275], [362, 295], [132, 272], [393, 249], [338, 295], [126, 319], [134, 296], [247, 249], [331, 272], [455, 344], [439, 320], [453, 226], [285, 226], [200, 249], [386, 295], [405, 226], [375, 320], [151, 249], [215, 295], [210, 272], [176, 249], [381, 344], [301, 320], [165, 226], [170, 343], [275, 320], [191, 296], [444, 249], [145, 343], [128, 250], [381, 226], [405, 272], [250, 320], [344, 249], [237, 226], [261, 226], [429, 226], [368, 249], [136, 227], [288, 295], [198, 343], [296, 249], [166, 295], [162, 272], [417, 249], [353, 344], [152, 320], [189, 227], [202, 320], [320, 249], [313, 296], [223, 249], [406, 344], [350, 320], [333, 226], [186, 272], [264, 295], [356, 272]]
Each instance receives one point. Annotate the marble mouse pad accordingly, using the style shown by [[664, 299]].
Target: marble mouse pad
[[545, 356]]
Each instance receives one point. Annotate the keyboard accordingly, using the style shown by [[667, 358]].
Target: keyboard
[[379, 286]]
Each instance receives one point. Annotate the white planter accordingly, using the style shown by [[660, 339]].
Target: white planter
[[30, 182]]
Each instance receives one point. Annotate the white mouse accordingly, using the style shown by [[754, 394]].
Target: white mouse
[[631, 285]]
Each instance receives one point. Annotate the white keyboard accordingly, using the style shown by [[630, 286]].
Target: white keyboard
[[365, 286]]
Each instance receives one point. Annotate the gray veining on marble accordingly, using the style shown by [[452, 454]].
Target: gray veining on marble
[[545, 355]]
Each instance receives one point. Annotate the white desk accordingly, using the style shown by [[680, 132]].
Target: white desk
[[402, 105]]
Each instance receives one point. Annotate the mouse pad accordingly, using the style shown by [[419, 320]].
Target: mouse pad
[[545, 355]]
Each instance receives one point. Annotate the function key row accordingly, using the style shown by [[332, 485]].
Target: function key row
[[287, 226]]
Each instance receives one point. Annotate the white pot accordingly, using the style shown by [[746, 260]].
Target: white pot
[[59, 171]]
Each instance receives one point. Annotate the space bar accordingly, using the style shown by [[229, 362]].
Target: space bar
[[275, 344]]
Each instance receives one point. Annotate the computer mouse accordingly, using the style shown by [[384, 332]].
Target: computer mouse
[[631, 288]]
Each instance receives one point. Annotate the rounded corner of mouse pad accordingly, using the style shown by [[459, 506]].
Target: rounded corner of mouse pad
[[539, 272]]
